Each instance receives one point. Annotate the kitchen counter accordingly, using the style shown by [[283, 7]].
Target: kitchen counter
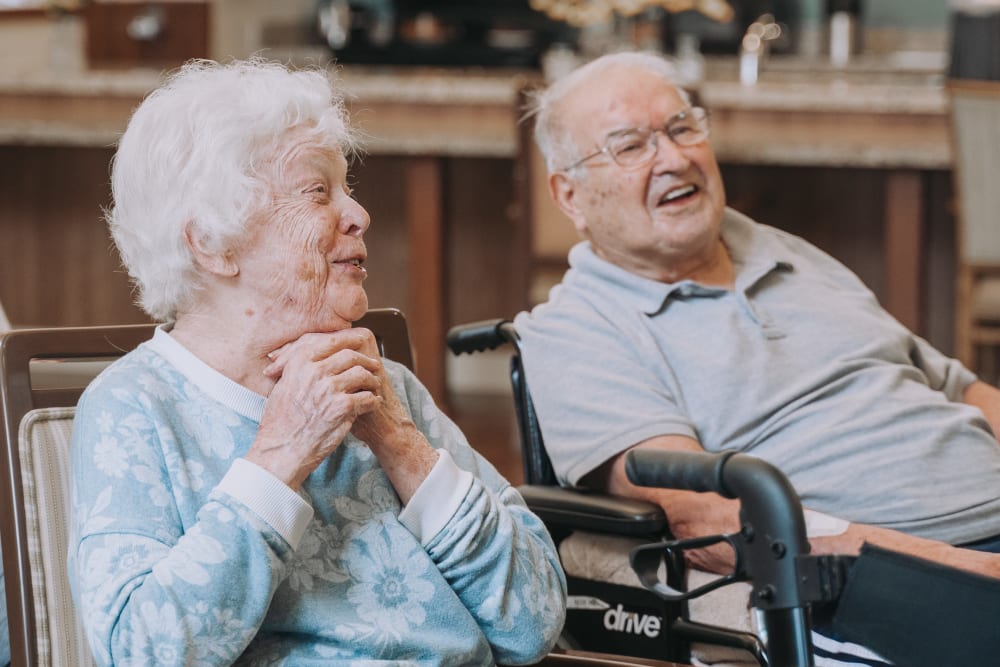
[[413, 112], [868, 120]]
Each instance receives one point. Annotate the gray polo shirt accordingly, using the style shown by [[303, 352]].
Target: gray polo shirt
[[798, 365]]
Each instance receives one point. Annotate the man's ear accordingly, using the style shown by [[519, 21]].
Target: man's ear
[[213, 261], [563, 191]]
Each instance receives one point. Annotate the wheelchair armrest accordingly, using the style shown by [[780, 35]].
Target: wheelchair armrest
[[578, 510]]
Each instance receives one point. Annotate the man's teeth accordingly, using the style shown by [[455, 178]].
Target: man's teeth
[[679, 192]]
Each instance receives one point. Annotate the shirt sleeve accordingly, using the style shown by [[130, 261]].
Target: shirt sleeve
[[149, 589], [943, 373], [496, 555], [266, 495], [596, 388], [436, 499]]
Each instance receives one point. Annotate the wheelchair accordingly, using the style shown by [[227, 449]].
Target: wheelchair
[[950, 610], [654, 621]]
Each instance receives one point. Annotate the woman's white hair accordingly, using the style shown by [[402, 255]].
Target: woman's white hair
[[191, 156], [552, 134]]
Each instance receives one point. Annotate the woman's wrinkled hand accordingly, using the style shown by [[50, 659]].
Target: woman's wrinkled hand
[[325, 383]]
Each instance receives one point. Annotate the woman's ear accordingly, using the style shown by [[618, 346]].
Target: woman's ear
[[563, 191], [213, 261]]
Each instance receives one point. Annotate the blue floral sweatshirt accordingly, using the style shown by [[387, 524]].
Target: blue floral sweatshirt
[[184, 553]]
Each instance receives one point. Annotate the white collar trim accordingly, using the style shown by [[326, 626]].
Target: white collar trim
[[231, 394]]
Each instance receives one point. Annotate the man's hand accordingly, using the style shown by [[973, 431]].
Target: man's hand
[[694, 514], [690, 514], [850, 542]]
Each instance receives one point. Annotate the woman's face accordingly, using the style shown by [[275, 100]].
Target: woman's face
[[303, 260]]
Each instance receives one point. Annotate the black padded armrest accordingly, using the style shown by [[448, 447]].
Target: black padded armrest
[[579, 510]]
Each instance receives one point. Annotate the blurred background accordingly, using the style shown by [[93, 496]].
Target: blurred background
[[830, 119]]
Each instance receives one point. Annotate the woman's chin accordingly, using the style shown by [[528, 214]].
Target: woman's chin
[[352, 311]]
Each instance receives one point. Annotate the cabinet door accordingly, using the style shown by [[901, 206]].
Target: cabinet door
[[145, 34]]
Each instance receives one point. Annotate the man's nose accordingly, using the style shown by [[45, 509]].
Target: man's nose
[[669, 157]]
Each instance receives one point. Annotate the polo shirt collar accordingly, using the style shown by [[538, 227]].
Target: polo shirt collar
[[754, 256]]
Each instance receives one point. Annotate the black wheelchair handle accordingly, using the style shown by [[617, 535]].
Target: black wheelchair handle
[[689, 471], [480, 336], [773, 530], [772, 535]]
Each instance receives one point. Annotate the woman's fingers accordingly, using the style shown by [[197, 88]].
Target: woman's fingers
[[320, 345], [317, 347], [324, 383]]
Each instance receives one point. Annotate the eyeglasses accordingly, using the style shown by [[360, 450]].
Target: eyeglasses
[[635, 147]]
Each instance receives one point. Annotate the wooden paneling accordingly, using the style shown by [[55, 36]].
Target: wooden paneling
[[57, 263], [457, 261]]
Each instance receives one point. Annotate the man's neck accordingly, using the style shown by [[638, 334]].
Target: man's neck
[[713, 268]]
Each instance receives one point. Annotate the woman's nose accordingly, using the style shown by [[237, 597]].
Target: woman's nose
[[354, 220]]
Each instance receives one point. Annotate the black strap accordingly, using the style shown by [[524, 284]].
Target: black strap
[[918, 613]]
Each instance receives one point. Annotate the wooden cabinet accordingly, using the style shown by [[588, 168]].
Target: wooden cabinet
[[145, 34]]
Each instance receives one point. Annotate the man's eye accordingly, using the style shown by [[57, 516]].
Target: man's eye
[[628, 145], [679, 129]]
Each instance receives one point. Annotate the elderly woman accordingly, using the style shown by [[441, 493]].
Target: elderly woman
[[255, 484]]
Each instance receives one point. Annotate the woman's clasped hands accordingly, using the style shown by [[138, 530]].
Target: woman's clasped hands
[[325, 385]]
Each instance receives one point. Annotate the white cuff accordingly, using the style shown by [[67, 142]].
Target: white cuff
[[823, 525], [270, 498], [437, 498]]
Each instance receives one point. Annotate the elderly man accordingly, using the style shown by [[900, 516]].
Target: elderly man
[[255, 485], [684, 325]]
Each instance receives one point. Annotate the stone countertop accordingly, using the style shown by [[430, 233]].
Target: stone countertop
[[410, 85], [782, 88], [832, 94], [473, 112]]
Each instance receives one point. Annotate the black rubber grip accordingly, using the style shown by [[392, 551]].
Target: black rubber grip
[[476, 336], [689, 471]]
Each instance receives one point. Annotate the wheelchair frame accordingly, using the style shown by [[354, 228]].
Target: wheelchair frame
[[771, 547]]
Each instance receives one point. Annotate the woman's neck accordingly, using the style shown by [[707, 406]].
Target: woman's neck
[[234, 351]]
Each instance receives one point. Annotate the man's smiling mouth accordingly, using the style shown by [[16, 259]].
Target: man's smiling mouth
[[678, 194]]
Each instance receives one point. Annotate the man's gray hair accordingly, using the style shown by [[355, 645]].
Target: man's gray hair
[[551, 133], [192, 154]]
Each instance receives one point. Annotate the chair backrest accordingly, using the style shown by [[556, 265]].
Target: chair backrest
[[42, 374], [391, 333], [975, 118]]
